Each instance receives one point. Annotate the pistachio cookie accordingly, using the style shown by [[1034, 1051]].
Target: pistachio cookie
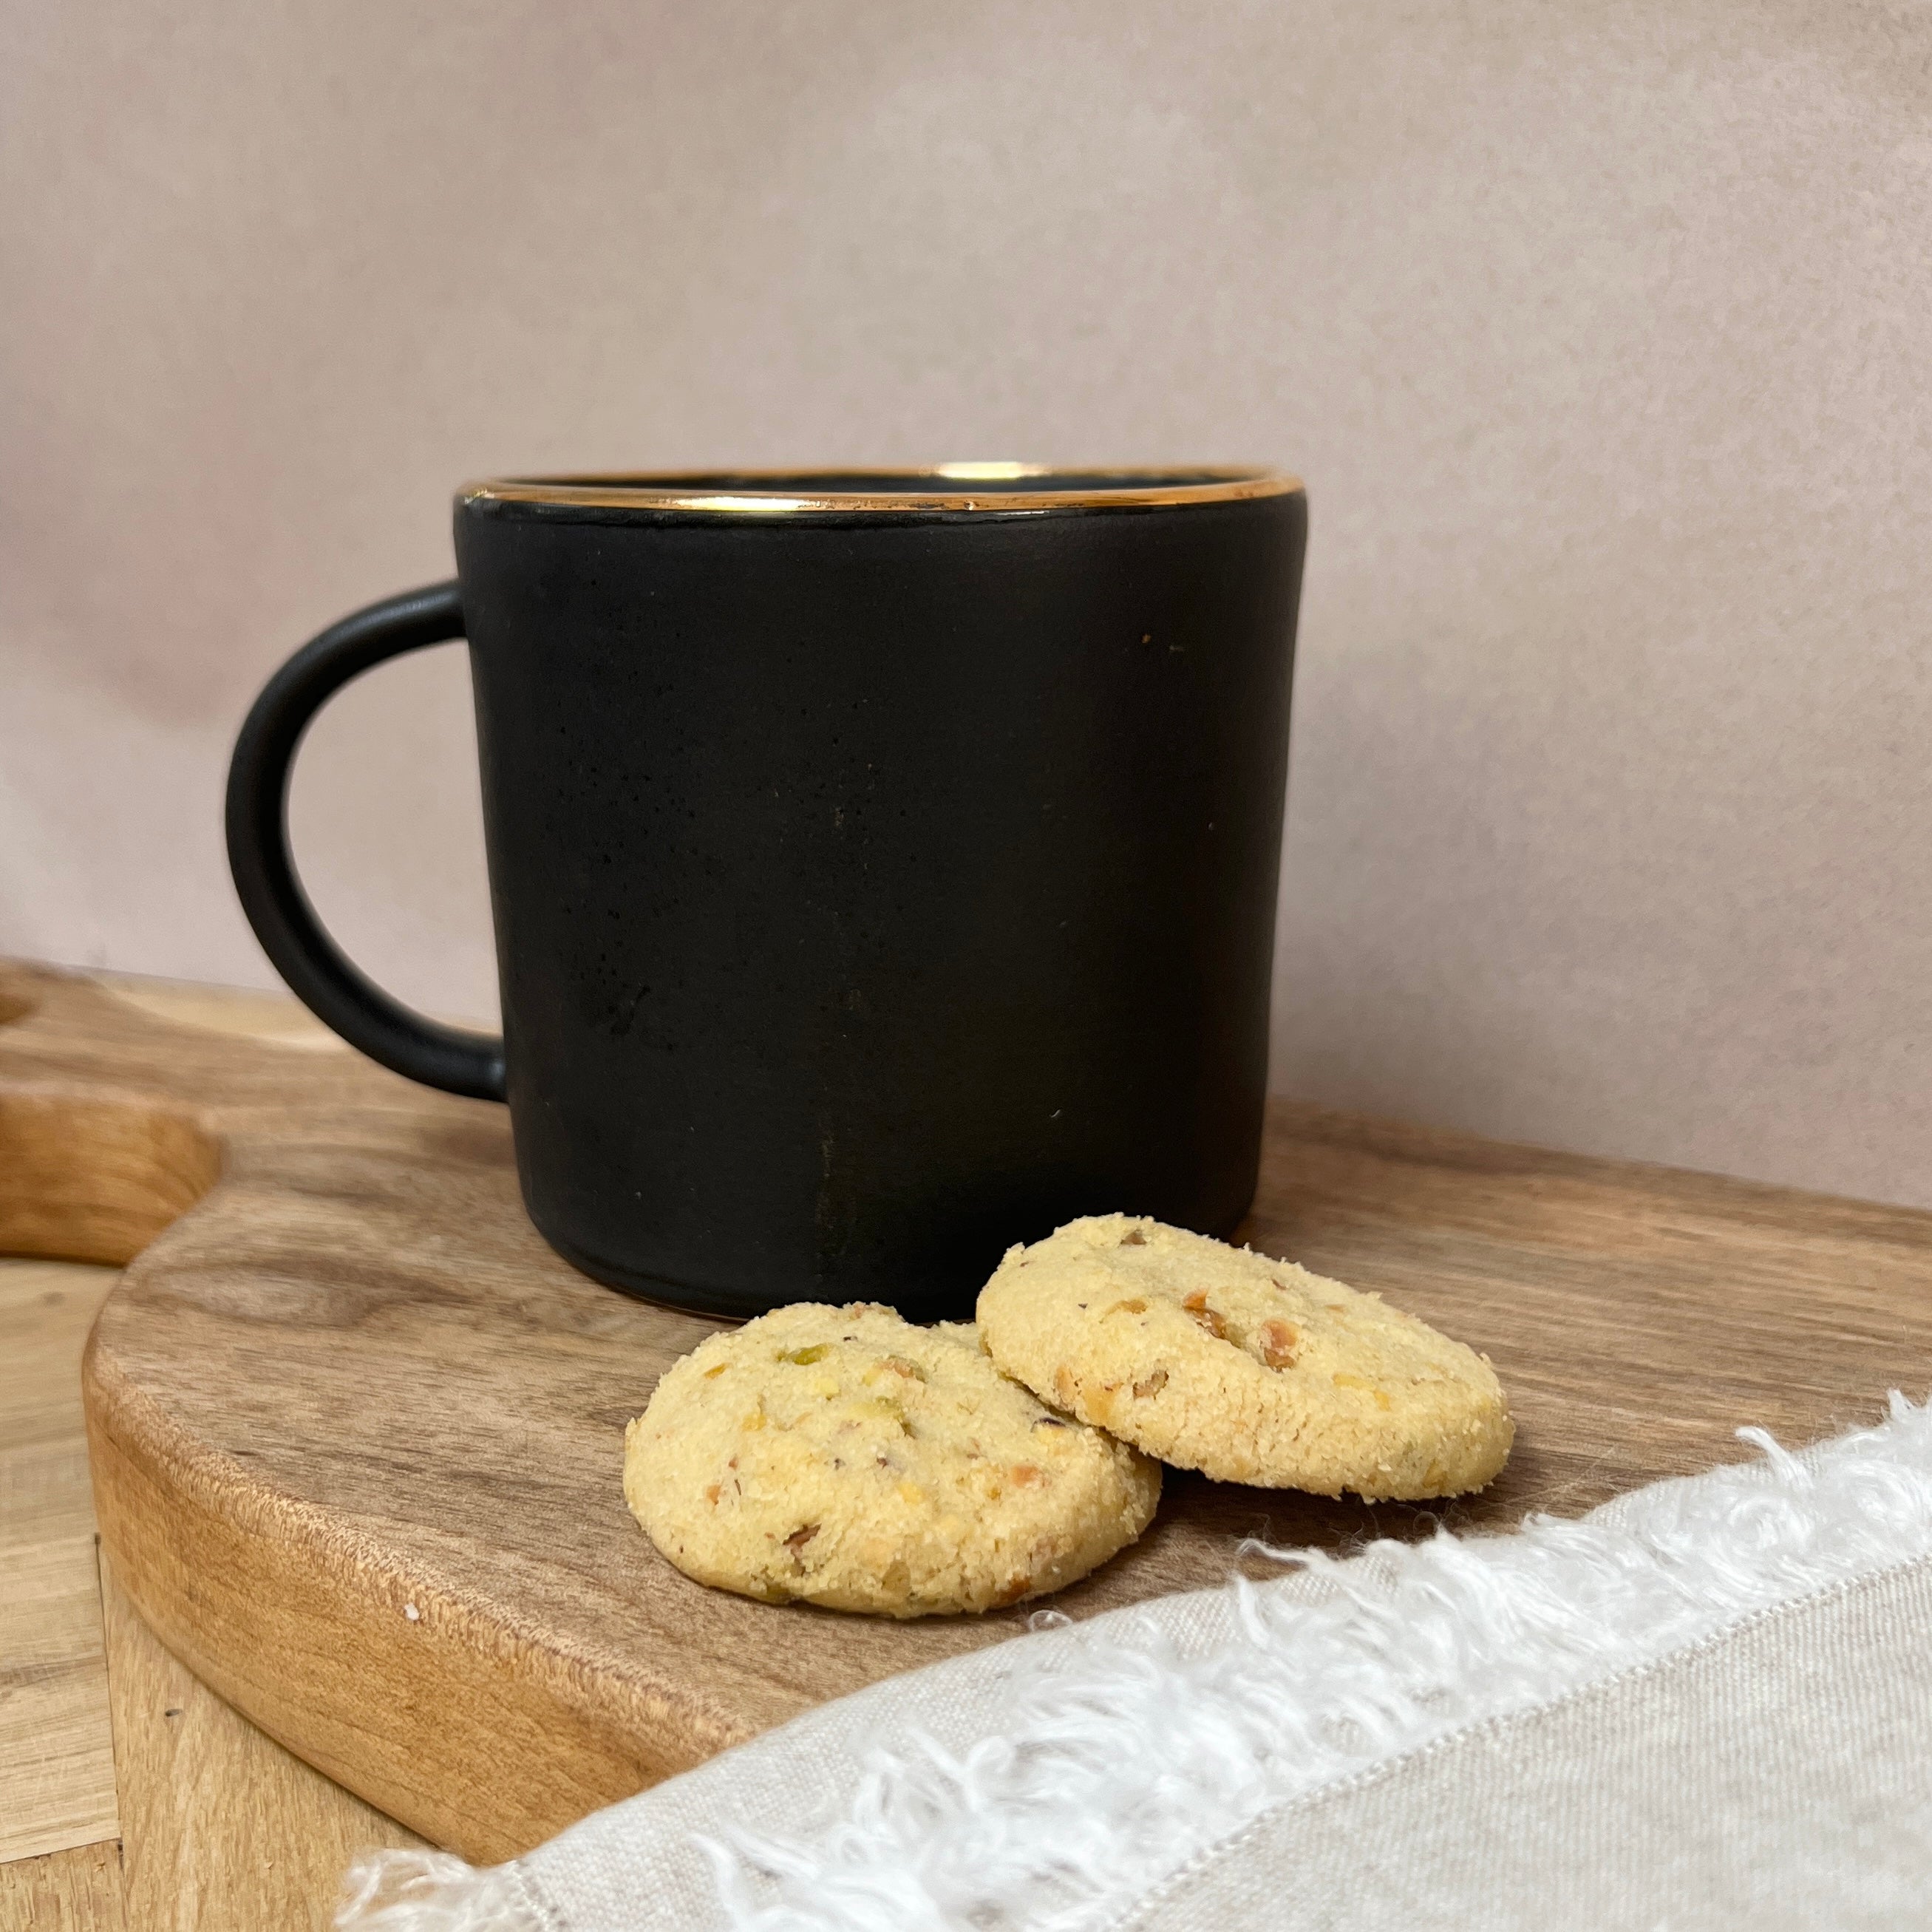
[[843, 1457], [1252, 1370]]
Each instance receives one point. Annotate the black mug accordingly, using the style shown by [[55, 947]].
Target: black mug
[[883, 866]]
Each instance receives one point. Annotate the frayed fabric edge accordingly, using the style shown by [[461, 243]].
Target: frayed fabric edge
[[1096, 1777], [436, 1891]]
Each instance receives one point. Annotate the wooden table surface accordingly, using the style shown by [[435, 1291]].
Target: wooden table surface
[[130, 1796]]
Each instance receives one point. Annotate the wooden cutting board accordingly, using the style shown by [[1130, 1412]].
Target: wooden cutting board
[[356, 1433]]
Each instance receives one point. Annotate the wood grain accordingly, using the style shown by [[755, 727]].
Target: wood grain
[[357, 1432], [45, 1313], [56, 1756], [76, 1891], [224, 1831], [55, 1740]]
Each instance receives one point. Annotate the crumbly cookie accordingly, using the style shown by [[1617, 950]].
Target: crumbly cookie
[[843, 1457], [1252, 1370]]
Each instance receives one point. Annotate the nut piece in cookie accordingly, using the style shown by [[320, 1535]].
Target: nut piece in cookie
[[843, 1457], [1251, 1370]]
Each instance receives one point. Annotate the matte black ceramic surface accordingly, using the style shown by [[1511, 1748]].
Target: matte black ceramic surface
[[878, 880]]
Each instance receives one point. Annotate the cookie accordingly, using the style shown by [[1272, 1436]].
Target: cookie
[[1251, 1370], [842, 1457]]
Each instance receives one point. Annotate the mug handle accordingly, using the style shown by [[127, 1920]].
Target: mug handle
[[315, 968]]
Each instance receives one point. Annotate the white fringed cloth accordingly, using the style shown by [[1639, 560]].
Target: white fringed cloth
[[1708, 1704]]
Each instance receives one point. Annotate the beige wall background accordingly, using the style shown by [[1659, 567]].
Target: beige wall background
[[1601, 334]]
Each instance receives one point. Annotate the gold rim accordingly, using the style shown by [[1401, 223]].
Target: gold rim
[[1022, 488]]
